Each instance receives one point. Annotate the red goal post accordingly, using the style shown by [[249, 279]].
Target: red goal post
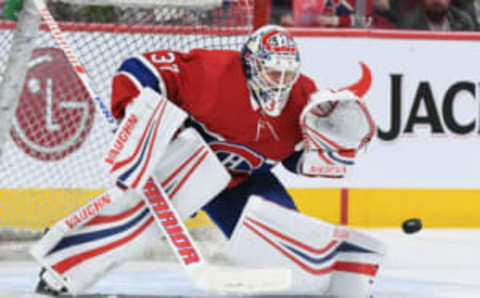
[[51, 145]]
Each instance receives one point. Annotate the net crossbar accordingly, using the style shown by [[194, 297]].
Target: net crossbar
[[202, 4]]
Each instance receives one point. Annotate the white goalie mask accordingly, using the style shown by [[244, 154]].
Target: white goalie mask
[[271, 62]]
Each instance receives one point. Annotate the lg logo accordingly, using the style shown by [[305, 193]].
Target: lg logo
[[55, 112]]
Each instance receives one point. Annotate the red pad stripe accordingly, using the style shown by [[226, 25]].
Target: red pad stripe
[[102, 219], [293, 241], [179, 185], [149, 155], [175, 173], [65, 265], [351, 267], [302, 265], [360, 268], [137, 150]]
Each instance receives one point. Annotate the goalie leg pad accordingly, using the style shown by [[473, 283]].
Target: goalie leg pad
[[325, 259], [191, 174], [83, 255]]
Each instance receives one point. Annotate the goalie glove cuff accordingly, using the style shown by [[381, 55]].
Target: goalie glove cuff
[[329, 164]]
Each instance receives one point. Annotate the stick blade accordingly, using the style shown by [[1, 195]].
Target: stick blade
[[243, 280]]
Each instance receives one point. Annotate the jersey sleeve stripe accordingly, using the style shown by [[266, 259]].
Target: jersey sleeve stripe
[[161, 83], [142, 73]]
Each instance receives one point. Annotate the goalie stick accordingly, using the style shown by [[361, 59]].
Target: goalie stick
[[207, 276], [243, 280]]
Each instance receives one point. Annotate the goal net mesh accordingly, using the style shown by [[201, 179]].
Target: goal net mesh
[[50, 161]]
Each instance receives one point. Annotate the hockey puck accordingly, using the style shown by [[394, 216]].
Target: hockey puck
[[412, 225]]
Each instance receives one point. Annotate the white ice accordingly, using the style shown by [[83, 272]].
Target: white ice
[[431, 263]]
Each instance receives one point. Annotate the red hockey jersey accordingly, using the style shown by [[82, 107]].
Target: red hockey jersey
[[212, 87]]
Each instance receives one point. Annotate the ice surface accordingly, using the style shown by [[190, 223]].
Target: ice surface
[[431, 263]]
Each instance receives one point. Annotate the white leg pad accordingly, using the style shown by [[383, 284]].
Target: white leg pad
[[190, 173], [325, 259], [121, 231]]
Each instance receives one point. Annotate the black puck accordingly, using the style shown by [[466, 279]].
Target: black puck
[[412, 225]]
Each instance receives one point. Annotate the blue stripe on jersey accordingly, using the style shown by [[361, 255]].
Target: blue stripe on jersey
[[141, 72], [87, 237]]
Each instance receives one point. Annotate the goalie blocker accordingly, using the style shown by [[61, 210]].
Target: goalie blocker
[[325, 259]]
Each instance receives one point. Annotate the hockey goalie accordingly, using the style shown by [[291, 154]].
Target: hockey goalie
[[203, 130]]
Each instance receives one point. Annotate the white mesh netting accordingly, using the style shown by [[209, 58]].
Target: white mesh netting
[[49, 166]]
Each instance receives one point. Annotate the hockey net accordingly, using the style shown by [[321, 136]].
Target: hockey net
[[49, 158]]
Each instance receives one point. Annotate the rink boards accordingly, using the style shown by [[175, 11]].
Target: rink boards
[[423, 163], [371, 208]]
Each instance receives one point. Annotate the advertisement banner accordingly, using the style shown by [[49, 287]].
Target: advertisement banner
[[424, 99]]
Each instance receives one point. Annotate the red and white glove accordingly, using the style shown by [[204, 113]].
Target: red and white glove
[[335, 125]]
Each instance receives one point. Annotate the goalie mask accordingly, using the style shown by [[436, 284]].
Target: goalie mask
[[271, 62]]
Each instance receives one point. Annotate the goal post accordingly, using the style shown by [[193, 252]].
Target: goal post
[[53, 138], [21, 49]]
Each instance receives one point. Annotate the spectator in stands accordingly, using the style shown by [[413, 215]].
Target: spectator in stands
[[339, 13], [470, 7], [321, 13], [382, 15], [306, 13], [402, 7], [280, 9], [438, 15], [232, 14], [476, 7]]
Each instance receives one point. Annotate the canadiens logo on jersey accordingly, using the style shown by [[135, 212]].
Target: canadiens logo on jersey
[[237, 158]]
